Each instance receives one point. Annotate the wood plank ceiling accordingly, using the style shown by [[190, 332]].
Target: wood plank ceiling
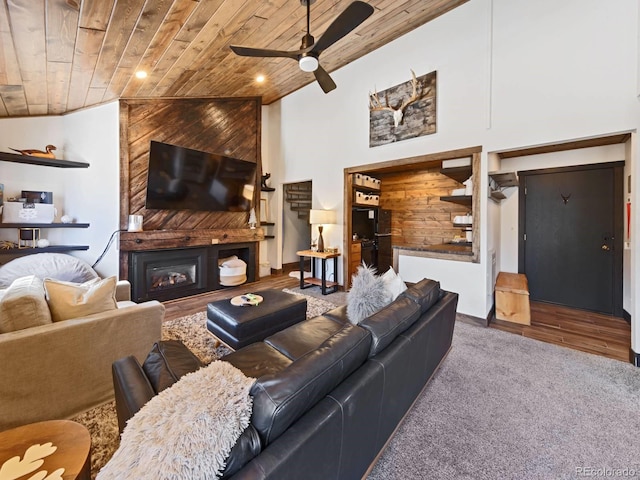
[[57, 56]]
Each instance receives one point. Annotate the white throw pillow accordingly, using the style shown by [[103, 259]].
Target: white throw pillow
[[393, 283], [23, 305], [74, 300], [367, 294]]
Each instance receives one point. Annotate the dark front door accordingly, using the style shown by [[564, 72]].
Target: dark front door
[[571, 236]]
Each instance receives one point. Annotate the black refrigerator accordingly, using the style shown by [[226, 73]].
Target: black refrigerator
[[373, 228]]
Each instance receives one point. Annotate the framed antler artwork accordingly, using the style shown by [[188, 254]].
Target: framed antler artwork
[[405, 111]]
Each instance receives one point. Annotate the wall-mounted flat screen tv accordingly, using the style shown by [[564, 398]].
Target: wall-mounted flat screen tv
[[185, 179]]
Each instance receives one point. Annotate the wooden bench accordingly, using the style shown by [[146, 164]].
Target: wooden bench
[[512, 298]]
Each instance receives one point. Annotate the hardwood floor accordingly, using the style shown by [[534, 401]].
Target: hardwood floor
[[198, 303], [578, 329]]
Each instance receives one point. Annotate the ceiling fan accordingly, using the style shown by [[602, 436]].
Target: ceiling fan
[[310, 50]]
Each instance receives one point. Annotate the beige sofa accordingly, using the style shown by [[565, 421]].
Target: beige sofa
[[61, 369]]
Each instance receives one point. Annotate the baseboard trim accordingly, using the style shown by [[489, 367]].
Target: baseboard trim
[[634, 357], [626, 315], [491, 314]]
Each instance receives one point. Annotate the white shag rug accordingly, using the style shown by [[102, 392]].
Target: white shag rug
[[187, 431]]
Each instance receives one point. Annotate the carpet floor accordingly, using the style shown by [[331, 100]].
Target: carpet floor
[[503, 406], [102, 421]]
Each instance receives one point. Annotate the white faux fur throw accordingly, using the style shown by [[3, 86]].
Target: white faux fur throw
[[188, 430]]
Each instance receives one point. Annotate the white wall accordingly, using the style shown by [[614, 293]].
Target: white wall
[[87, 194], [511, 74]]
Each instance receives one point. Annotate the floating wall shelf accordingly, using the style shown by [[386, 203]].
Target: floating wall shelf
[[45, 162]]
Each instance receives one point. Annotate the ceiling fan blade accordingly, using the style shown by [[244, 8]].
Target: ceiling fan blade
[[349, 19], [260, 52], [323, 78]]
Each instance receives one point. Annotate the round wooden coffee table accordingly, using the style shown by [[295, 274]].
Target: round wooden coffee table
[[60, 446]]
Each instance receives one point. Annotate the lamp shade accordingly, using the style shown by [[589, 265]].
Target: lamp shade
[[322, 217]]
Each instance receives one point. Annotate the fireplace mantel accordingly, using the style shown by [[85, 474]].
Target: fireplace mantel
[[159, 239], [174, 239]]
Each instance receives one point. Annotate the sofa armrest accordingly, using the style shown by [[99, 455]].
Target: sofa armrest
[[123, 291], [132, 388], [64, 368]]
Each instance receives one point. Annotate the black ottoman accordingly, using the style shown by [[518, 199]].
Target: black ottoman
[[240, 326]]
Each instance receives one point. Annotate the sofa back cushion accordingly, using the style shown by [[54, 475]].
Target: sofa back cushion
[[279, 399], [386, 324], [23, 305], [74, 300], [425, 293]]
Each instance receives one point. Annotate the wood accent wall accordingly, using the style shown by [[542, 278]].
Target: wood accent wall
[[228, 126], [419, 217]]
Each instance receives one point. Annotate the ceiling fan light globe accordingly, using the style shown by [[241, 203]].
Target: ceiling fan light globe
[[308, 64]]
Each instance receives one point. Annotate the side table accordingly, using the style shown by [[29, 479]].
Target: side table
[[55, 446], [322, 281]]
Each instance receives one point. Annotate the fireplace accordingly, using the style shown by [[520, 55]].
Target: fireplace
[[168, 274], [173, 273]]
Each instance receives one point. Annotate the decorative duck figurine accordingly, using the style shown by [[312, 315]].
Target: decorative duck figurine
[[38, 153]]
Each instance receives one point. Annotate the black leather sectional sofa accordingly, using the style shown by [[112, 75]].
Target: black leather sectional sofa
[[328, 394]]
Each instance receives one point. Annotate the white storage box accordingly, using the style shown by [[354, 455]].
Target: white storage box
[[372, 182], [21, 212], [367, 198]]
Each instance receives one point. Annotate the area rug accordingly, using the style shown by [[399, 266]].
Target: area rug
[[102, 422]]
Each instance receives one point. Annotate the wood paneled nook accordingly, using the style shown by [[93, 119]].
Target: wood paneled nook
[[425, 216]]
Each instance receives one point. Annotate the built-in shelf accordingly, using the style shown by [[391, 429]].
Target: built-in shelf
[[362, 188], [44, 225], [50, 248], [459, 199], [497, 195], [45, 162], [505, 179], [464, 226], [363, 205], [500, 180], [459, 174]]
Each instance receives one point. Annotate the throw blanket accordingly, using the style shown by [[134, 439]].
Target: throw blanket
[[188, 430]]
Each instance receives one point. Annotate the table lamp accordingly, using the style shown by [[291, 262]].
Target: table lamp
[[320, 218]]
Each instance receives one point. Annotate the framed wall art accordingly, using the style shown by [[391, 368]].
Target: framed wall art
[[405, 111]]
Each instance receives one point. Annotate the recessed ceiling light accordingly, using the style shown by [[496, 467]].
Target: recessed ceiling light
[[141, 74], [260, 78]]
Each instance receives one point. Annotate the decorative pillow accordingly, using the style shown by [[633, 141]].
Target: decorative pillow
[[74, 300], [368, 294], [393, 283], [47, 265], [23, 305]]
